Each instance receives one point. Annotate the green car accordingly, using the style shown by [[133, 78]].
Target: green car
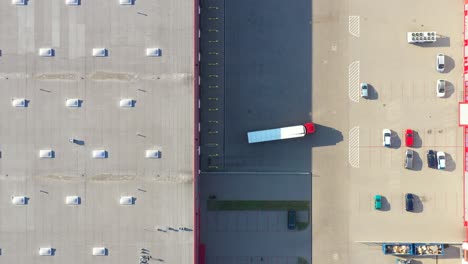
[[377, 202]]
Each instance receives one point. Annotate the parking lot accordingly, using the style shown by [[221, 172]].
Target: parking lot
[[240, 236], [362, 42]]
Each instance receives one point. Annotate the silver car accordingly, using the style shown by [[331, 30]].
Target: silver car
[[409, 159]]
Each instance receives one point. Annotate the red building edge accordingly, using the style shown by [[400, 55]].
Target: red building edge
[[196, 145], [465, 127]]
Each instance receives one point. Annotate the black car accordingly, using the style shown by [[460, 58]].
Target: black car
[[409, 202], [431, 159]]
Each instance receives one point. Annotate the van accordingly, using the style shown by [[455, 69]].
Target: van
[[291, 219], [409, 159]]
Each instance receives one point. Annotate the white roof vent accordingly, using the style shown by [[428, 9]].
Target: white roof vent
[[19, 102], [99, 154], [99, 251], [126, 200], [126, 2], [46, 52], [153, 52], [72, 2], [127, 103], [99, 52], [19, 2], [153, 154], [46, 251], [72, 200], [46, 154], [73, 102], [19, 200]]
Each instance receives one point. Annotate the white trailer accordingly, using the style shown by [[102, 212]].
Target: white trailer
[[280, 133]]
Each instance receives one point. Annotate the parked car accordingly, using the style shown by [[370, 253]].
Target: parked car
[[440, 160], [440, 62], [440, 88], [409, 138], [409, 202], [291, 219], [431, 159], [409, 159], [364, 90], [378, 202], [387, 141]]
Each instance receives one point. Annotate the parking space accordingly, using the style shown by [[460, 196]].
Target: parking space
[[212, 96], [254, 232]]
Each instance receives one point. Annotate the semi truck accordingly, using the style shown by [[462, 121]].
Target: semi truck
[[429, 249], [280, 133], [398, 249]]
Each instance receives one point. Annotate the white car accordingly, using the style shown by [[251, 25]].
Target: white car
[[99, 154], [440, 62], [99, 251], [46, 251], [18, 102], [440, 88], [46, 52], [153, 52], [126, 200], [440, 160], [387, 138], [152, 154], [72, 102], [19, 200], [72, 200], [127, 103]]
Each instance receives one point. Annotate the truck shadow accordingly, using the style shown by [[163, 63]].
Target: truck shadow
[[451, 252], [324, 136]]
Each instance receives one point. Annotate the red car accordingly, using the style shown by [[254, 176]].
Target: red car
[[409, 137]]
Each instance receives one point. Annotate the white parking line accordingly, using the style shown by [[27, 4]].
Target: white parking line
[[353, 151], [354, 26], [353, 81]]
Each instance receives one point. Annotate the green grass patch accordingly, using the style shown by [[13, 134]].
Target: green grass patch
[[301, 260], [256, 205]]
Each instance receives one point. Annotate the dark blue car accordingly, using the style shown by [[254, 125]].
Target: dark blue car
[[291, 219]]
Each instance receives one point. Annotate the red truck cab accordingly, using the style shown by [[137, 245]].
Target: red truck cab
[[310, 128]]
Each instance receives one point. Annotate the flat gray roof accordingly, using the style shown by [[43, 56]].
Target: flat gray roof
[[162, 119]]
